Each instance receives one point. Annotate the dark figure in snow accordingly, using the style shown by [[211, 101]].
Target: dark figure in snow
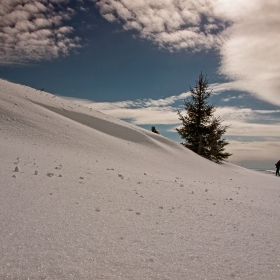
[[154, 130], [277, 167]]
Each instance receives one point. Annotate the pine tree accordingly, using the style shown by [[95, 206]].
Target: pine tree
[[202, 131]]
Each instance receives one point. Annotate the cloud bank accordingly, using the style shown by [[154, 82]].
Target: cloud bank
[[246, 33], [243, 121], [34, 30]]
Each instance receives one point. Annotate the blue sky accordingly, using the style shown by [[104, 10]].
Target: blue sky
[[136, 60]]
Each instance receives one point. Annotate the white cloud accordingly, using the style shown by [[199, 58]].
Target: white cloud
[[144, 103], [34, 30], [170, 24], [240, 96]]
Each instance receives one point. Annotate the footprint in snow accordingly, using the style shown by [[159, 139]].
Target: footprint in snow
[[17, 169]]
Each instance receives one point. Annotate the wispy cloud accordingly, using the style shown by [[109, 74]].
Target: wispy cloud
[[35, 30], [139, 103], [250, 53], [240, 96], [139, 112], [248, 115]]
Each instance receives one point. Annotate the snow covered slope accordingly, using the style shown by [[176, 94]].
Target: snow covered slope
[[88, 196]]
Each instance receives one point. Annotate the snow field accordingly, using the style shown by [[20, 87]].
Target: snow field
[[97, 198]]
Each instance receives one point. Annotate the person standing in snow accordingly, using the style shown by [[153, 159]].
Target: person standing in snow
[[277, 167]]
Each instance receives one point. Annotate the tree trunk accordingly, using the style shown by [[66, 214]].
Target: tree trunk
[[199, 144]]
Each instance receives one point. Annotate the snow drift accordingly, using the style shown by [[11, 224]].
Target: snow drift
[[88, 196]]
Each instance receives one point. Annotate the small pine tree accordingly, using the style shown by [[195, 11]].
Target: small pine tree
[[202, 131]]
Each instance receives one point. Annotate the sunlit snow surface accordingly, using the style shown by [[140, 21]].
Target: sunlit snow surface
[[87, 196]]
